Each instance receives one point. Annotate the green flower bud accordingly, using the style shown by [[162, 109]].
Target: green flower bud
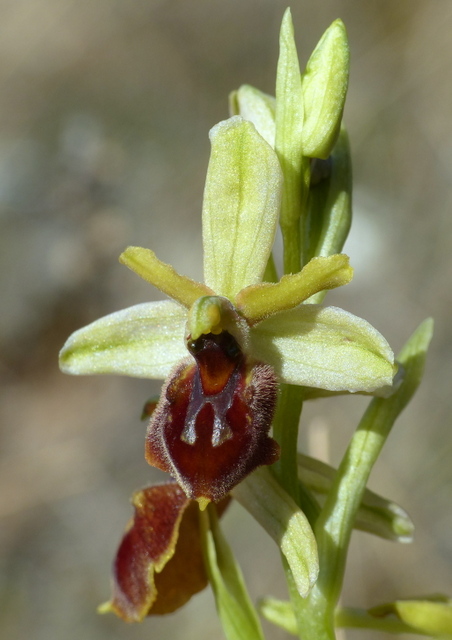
[[324, 88]]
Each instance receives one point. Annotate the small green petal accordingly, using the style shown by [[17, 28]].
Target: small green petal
[[260, 301], [324, 347], [144, 341], [284, 521], [257, 107], [145, 263], [324, 88], [241, 207]]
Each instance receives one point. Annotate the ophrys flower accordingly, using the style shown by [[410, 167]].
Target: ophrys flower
[[225, 343]]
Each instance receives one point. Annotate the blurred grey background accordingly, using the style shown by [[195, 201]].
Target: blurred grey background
[[105, 109]]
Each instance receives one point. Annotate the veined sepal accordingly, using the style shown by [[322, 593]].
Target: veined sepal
[[240, 207], [144, 341], [324, 347]]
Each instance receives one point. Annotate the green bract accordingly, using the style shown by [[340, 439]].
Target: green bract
[[284, 521], [307, 345]]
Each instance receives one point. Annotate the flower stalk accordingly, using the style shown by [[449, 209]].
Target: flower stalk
[[240, 353]]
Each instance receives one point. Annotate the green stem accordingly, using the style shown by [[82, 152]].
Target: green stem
[[352, 618], [294, 213], [285, 432], [282, 615], [335, 523]]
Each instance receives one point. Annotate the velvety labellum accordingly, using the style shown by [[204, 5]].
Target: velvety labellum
[[210, 428]]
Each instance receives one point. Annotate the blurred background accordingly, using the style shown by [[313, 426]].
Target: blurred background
[[105, 109]]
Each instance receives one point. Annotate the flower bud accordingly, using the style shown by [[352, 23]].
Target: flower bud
[[324, 88]]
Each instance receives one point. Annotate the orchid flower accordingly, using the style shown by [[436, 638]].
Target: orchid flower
[[238, 354], [223, 346]]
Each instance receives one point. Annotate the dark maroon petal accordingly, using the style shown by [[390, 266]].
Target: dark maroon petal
[[210, 428], [148, 544], [159, 564]]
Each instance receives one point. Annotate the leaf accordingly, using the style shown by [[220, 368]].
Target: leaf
[[237, 614], [262, 496]]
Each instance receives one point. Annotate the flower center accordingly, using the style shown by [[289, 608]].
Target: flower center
[[218, 358]]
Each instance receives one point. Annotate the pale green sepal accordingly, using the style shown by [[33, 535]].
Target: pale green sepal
[[330, 203], [143, 341], [376, 515], [241, 207], [429, 616], [257, 107], [280, 613], [288, 136], [284, 521], [262, 300], [324, 347], [324, 89], [237, 614], [145, 263]]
